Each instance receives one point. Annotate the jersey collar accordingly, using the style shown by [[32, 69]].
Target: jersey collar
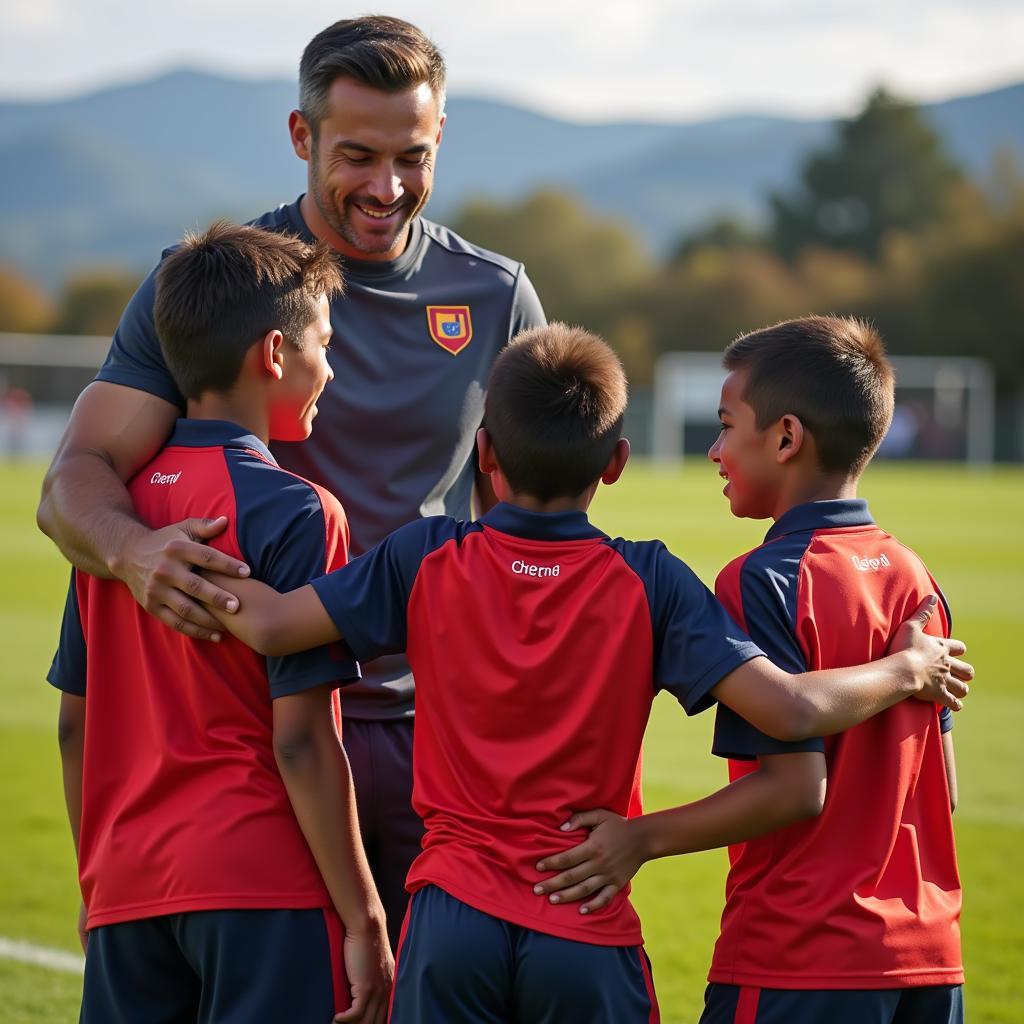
[[520, 522], [216, 434], [822, 515]]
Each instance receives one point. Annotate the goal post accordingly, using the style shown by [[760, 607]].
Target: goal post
[[952, 397]]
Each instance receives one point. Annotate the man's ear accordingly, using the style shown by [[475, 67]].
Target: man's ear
[[440, 130], [617, 463], [301, 135], [272, 355], [789, 432]]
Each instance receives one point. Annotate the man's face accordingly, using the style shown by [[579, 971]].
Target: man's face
[[371, 167], [306, 372], [745, 456]]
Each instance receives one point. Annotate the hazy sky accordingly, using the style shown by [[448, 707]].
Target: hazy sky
[[581, 58]]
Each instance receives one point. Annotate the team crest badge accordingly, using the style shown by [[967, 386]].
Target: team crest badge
[[450, 326]]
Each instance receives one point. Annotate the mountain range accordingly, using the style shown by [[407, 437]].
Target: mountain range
[[113, 176]]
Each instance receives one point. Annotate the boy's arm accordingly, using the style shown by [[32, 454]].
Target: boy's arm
[[793, 707], [786, 788], [950, 759], [71, 739], [365, 603], [316, 774], [271, 623]]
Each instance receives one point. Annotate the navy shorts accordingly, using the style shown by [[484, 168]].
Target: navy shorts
[[929, 1004], [380, 754], [217, 967], [456, 963]]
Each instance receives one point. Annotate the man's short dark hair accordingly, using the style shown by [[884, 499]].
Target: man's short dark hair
[[832, 373], [555, 405], [222, 291], [384, 53]]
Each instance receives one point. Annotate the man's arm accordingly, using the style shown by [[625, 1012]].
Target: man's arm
[[785, 789], [793, 707], [71, 738], [319, 783], [86, 510]]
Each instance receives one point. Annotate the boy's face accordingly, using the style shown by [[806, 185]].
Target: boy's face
[[306, 372], [745, 456]]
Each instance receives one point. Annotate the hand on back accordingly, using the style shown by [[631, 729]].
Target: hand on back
[[944, 675], [160, 570]]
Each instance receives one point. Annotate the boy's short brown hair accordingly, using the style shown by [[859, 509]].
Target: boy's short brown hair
[[555, 406], [832, 373], [222, 291]]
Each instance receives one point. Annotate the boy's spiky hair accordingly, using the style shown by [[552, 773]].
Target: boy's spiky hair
[[555, 406], [829, 371], [223, 290]]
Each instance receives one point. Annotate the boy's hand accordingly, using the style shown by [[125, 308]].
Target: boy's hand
[[942, 676], [603, 863], [370, 969], [83, 935]]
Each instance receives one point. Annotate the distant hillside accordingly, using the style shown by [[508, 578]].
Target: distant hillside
[[113, 176]]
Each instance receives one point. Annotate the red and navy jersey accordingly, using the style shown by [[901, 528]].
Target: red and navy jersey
[[538, 644], [183, 807], [868, 894]]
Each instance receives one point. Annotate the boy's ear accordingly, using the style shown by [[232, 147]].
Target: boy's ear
[[485, 452], [790, 438], [270, 350], [617, 463]]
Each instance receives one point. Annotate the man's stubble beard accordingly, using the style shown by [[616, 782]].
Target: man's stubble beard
[[340, 224]]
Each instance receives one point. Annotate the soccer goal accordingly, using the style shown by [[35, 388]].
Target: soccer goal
[[945, 406]]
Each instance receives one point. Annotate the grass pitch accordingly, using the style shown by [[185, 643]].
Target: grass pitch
[[966, 525]]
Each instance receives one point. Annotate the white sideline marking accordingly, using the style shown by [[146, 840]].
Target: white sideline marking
[[41, 956]]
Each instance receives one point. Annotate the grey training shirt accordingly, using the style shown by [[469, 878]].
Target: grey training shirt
[[414, 340]]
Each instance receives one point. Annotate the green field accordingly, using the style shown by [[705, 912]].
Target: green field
[[968, 527]]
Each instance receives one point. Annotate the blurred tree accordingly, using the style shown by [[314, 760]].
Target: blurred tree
[[581, 265], [24, 307], [887, 170], [91, 301], [725, 232]]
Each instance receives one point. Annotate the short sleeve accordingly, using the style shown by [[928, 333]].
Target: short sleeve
[[285, 534], [527, 311], [696, 642], [135, 359], [766, 596], [368, 599], [68, 670]]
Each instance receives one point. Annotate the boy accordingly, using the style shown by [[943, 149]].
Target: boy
[[210, 801], [538, 644], [852, 916]]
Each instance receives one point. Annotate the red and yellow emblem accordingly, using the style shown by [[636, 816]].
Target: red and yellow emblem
[[450, 326]]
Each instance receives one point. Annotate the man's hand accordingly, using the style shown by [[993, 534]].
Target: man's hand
[[370, 969], [603, 863], [942, 675], [83, 935], [158, 568]]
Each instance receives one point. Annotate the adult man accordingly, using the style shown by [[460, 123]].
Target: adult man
[[424, 316]]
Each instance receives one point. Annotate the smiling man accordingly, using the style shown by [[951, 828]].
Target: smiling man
[[423, 318]]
